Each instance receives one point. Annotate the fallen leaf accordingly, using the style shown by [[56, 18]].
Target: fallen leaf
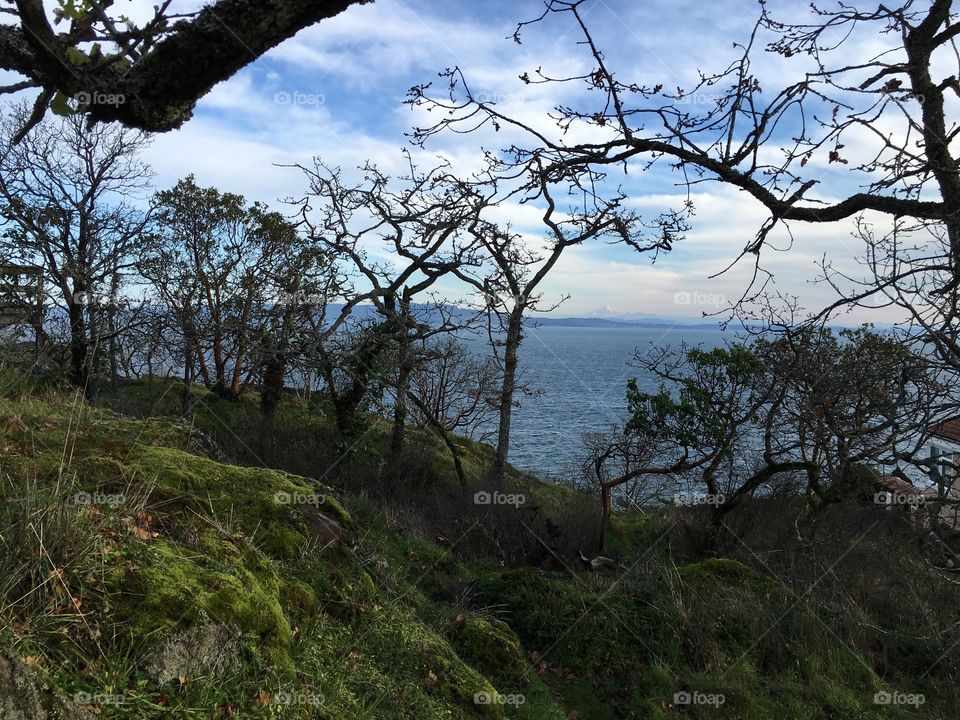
[[141, 533]]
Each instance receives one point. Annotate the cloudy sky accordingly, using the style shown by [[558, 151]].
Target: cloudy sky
[[336, 91]]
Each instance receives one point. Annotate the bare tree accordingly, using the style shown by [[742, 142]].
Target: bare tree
[[517, 265], [904, 183], [453, 391], [458, 388], [424, 220], [610, 463], [67, 192]]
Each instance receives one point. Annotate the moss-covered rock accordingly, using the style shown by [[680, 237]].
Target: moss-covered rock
[[725, 571], [166, 591], [299, 601], [491, 645]]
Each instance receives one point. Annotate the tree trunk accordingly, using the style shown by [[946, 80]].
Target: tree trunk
[[79, 373], [605, 493], [406, 365], [150, 377], [112, 328], [447, 440], [361, 367], [507, 390], [186, 398], [399, 435], [272, 391]]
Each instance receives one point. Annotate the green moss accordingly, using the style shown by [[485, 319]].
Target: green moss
[[280, 541], [492, 646], [727, 572], [166, 590], [380, 638], [298, 599], [331, 506]]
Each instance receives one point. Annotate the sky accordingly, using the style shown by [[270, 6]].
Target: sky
[[336, 90]]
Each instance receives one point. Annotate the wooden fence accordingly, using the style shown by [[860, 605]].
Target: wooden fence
[[21, 298]]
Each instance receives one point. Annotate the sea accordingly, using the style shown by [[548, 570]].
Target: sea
[[577, 381]]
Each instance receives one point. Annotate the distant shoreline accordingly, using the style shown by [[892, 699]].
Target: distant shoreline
[[607, 323]]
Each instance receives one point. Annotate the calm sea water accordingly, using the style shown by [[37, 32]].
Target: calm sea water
[[581, 375]]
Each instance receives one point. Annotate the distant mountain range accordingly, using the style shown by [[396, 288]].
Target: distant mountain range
[[597, 319], [602, 322], [606, 316]]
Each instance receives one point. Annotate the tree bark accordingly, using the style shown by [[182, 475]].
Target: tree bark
[[507, 390], [186, 398], [272, 390], [79, 347], [405, 370]]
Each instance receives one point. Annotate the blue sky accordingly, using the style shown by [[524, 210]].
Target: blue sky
[[336, 91]]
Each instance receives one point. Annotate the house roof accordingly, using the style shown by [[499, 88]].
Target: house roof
[[933, 492], [896, 485], [948, 430]]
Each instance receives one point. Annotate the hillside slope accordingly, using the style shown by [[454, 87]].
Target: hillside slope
[[140, 578]]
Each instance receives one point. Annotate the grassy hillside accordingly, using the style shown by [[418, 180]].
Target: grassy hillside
[[140, 577]]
